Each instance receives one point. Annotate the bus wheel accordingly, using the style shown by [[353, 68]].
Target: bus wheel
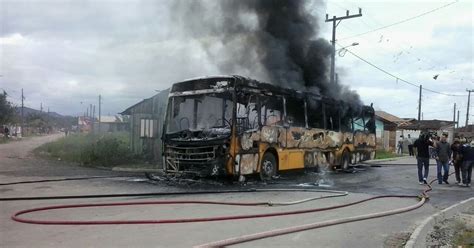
[[346, 160], [268, 167]]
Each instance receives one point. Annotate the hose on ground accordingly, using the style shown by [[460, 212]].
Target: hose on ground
[[288, 230], [17, 215], [61, 180], [423, 197], [150, 194], [251, 237]]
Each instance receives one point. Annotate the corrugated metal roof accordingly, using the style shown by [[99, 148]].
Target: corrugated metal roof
[[146, 104], [388, 117], [426, 125], [110, 118]]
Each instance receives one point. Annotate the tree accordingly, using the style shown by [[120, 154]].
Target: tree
[[6, 109]]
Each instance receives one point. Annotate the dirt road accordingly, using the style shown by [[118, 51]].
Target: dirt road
[[397, 177], [21, 149]]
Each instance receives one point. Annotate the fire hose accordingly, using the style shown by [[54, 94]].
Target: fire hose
[[61, 180], [226, 242], [250, 237]]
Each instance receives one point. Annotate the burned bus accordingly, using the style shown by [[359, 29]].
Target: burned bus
[[236, 126]]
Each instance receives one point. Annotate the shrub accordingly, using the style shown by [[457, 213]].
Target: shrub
[[105, 150]]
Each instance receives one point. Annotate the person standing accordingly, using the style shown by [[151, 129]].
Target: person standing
[[467, 152], [422, 145], [7, 132], [400, 145], [410, 145], [457, 159], [443, 155]]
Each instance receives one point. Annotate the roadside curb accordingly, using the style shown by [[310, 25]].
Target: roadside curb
[[418, 237], [384, 160], [124, 169]]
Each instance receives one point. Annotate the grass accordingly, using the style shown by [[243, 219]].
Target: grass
[[88, 149], [465, 239], [4, 140], [382, 154]]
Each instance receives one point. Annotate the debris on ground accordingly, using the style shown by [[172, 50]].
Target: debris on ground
[[453, 232], [397, 240]]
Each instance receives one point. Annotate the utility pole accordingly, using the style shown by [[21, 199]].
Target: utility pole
[[22, 115], [457, 122], [93, 118], [41, 107], [468, 103], [454, 113], [454, 118], [333, 41], [100, 105], [419, 103]]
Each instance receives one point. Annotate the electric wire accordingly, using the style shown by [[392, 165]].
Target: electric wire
[[398, 78], [407, 50], [401, 21]]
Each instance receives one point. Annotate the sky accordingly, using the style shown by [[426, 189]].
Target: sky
[[65, 53]]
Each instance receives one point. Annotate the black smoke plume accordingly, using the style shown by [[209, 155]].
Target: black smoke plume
[[276, 39]]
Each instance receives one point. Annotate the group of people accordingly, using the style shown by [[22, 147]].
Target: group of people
[[459, 154], [410, 143]]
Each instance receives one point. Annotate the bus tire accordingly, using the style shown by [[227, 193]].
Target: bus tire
[[268, 167], [345, 160]]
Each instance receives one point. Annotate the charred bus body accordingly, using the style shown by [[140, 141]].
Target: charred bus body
[[233, 126]]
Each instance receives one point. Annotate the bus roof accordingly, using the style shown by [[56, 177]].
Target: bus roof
[[236, 81], [209, 82]]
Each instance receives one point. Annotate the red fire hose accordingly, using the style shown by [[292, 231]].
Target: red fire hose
[[423, 197], [250, 237]]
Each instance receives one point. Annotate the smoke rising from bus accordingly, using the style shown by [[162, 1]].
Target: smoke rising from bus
[[276, 37]]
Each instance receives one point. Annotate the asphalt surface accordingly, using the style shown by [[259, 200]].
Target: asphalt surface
[[391, 177]]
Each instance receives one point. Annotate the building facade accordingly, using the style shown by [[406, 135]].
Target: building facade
[[146, 125]]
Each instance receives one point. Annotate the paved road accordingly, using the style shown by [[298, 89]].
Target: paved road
[[396, 177]]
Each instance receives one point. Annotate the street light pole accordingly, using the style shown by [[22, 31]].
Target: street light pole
[[343, 50], [333, 41], [22, 114]]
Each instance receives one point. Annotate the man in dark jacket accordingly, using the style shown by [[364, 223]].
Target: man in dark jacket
[[422, 145], [457, 159], [443, 155], [467, 152]]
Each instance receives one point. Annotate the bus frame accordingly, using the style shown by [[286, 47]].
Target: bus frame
[[263, 129]]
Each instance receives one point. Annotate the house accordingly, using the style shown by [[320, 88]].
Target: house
[[386, 132], [146, 125], [436, 126], [111, 124], [466, 132], [84, 124]]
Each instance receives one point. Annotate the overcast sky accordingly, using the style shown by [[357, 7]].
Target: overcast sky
[[65, 53]]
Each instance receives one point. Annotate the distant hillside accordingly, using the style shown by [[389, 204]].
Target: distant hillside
[[29, 111], [51, 118]]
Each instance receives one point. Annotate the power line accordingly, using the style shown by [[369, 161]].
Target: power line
[[402, 21], [398, 78], [406, 50]]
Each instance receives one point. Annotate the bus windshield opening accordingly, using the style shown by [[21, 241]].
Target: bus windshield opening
[[209, 113]]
